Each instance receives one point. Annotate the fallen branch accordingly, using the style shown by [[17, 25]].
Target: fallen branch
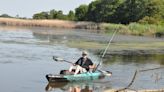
[[132, 81], [150, 69], [134, 77]]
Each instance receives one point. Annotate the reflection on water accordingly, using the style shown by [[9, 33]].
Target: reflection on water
[[141, 59], [69, 35], [26, 57], [77, 87]]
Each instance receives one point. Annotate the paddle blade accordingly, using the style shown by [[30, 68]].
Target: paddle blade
[[57, 59], [107, 73]]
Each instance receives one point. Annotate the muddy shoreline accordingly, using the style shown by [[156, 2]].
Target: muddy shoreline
[[96, 42], [134, 52]]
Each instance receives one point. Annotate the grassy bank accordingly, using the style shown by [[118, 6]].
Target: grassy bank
[[135, 29], [131, 29]]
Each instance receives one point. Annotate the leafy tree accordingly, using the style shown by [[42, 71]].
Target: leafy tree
[[52, 14], [154, 7], [60, 15], [80, 12], [71, 15], [42, 15], [154, 12], [92, 11], [5, 15], [130, 11], [135, 10], [102, 10], [113, 11]]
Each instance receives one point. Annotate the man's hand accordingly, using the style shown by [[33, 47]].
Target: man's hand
[[92, 66], [74, 64]]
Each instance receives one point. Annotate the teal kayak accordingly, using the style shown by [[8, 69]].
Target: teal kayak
[[64, 77]]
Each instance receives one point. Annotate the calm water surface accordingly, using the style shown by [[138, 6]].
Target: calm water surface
[[26, 57]]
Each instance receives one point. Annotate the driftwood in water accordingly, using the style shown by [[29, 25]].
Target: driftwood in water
[[127, 89], [134, 76]]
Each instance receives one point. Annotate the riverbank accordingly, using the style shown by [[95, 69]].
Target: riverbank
[[131, 29]]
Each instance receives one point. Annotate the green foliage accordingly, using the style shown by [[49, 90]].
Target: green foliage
[[91, 14], [42, 15], [60, 15], [53, 14], [125, 11], [154, 13], [135, 10], [113, 11], [71, 15], [80, 12], [5, 16], [149, 20], [102, 10], [130, 11], [135, 29]]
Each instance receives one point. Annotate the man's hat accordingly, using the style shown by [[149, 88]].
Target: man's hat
[[84, 53]]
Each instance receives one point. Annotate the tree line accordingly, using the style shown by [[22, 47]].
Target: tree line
[[54, 14], [126, 11], [111, 11], [5, 16]]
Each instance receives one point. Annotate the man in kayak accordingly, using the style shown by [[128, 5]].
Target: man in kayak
[[83, 64]]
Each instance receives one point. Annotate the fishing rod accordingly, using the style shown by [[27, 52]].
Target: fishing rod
[[106, 50]]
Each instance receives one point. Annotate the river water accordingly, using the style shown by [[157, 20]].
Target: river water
[[26, 57]]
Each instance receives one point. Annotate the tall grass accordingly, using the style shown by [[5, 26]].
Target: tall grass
[[134, 29], [37, 23], [147, 29]]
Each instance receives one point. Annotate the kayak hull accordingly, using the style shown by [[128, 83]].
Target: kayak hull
[[56, 78], [78, 77]]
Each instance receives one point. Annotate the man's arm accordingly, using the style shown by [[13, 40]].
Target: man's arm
[[91, 65], [78, 61]]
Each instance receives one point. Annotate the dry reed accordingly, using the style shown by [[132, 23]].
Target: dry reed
[[37, 23]]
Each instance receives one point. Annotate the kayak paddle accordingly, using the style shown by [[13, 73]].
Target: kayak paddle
[[57, 59]]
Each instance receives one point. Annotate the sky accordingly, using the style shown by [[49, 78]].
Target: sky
[[26, 8]]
